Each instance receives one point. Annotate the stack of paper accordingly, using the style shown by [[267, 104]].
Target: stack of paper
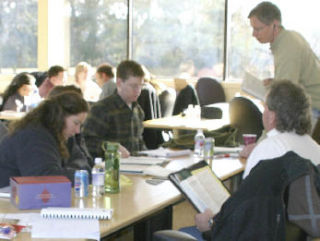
[[165, 152]]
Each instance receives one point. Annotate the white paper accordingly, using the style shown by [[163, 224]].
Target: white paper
[[165, 152], [57, 228], [223, 149], [142, 160], [253, 86], [151, 170]]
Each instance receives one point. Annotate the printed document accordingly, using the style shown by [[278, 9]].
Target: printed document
[[253, 86]]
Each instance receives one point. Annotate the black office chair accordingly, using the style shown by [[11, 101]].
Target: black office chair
[[210, 91], [167, 99], [187, 96], [3, 130], [246, 117], [316, 132], [149, 102], [40, 77]]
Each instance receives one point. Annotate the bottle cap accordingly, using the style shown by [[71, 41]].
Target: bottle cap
[[98, 160]]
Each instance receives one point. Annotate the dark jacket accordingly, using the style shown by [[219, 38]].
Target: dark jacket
[[257, 210], [32, 151]]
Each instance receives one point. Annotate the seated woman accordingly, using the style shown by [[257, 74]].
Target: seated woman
[[20, 94], [36, 144], [91, 90]]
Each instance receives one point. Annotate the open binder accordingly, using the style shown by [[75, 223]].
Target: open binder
[[201, 187]]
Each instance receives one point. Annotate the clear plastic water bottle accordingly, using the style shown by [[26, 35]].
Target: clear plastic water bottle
[[98, 177], [199, 143]]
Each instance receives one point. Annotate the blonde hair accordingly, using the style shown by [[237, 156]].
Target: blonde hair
[[81, 67]]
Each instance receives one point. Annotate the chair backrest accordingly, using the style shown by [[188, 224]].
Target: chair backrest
[[167, 98], [187, 96], [246, 117], [3, 130], [149, 102], [210, 91], [40, 77], [316, 132]]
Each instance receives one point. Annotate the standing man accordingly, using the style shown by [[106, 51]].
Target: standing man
[[105, 79], [55, 78], [118, 117], [293, 57]]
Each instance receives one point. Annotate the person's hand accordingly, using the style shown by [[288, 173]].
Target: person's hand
[[245, 152], [267, 82], [124, 152], [202, 220]]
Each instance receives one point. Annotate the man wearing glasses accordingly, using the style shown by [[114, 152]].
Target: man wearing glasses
[[293, 58], [119, 117]]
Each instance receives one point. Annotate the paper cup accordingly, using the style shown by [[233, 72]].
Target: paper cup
[[249, 138]]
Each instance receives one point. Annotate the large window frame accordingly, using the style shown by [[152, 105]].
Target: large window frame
[[53, 33]]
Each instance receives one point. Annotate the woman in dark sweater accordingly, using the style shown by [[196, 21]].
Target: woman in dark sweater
[[36, 144]]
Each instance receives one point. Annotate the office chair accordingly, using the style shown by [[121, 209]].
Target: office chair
[[40, 77], [149, 102], [167, 99], [187, 96], [210, 91], [3, 130], [316, 132], [246, 117]]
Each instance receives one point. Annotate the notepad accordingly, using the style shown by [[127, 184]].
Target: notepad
[[76, 213]]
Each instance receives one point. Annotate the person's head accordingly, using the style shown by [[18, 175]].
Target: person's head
[[129, 80], [22, 84], [57, 90], [62, 114], [265, 19], [287, 108], [104, 73], [81, 72], [56, 75]]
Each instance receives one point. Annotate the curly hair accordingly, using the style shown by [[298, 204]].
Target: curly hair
[[51, 114], [291, 105]]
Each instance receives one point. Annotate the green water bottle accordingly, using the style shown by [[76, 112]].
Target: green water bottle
[[112, 166]]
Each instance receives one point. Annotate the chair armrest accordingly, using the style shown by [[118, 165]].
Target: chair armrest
[[172, 235]]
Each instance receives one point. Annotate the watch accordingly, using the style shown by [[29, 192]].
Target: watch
[[211, 222]]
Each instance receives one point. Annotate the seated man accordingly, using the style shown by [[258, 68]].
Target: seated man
[[105, 79], [287, 122], [55, 77], [118, 117]]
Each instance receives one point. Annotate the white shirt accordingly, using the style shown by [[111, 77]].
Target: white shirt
[[277, 144]]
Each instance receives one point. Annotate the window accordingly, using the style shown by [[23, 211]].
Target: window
[[18, 42], [179, 37], [244, 51], [98, 31]]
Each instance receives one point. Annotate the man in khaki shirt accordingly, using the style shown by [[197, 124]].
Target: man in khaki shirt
[[294, 59]]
